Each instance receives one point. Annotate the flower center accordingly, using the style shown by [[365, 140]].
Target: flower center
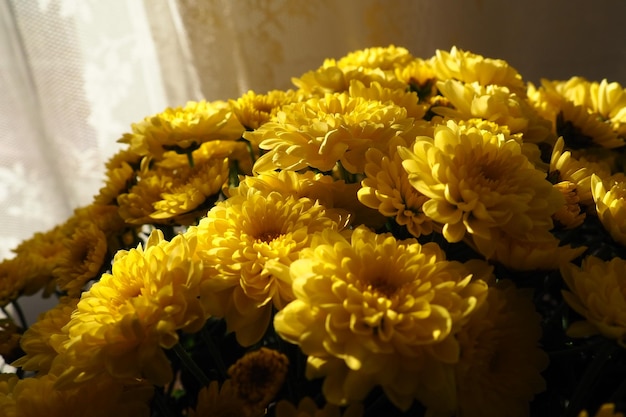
[[268, 236], [382, 286]]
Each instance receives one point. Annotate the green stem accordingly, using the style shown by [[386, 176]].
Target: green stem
[[191, 365], [190, 159], [215, 353], [159, 401], [583, 390]]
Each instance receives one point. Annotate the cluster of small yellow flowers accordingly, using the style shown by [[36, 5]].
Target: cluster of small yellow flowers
[[378, 230], [183, 129]]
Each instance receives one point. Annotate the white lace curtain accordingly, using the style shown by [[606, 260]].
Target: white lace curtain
[[74, 74]]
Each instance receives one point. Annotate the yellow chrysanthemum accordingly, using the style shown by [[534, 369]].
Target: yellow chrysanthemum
[[331, 193], [609, 101], [386, 188], [366, 65], [481, 184], [124, 321], [257, 377], [253, 110], [419, 75], [596, 291], [35, 342], [605, 410], [385, 58], [496, 104], [580, 129], [331, 79], [368, 310], [469, 67], [216, 401], [570, 215], [400, 97], [499, 370], [83, 260], [7, 402], [308, 408], [242, 240], [610, 201], [531, 255], [173, 191], [183, 129], [35, 397], [320, 132], [564, 167], [37, 257], [120, 170], [12, 279]]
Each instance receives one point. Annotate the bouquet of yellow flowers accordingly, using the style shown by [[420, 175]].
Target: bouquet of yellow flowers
[[396, 236]]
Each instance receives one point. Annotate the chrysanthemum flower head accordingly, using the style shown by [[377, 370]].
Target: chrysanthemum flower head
[[12, 279], [368, 308], [84, 256], [253, 110], [481, 184], [501, 362], [330, 192], [257, 377], [124, 321], [216, 401], [119, 174], [532, 255], [611, 206], [496, 104], [171, 190], [564, 167], [386, 188], [367, 65], [105, 397], [596, 291], [385, 58], [322, 131], [183, 129], [419, 75], [469, 67], [243, 240], [406, 99], [36, 341]]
